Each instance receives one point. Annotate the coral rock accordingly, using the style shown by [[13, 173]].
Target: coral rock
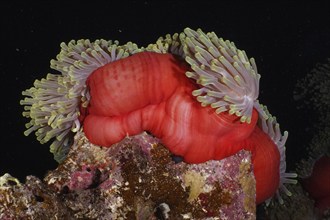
[[137, 178]]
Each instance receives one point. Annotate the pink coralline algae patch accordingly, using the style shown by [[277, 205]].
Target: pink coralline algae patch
[[134, 179], [82, 179]]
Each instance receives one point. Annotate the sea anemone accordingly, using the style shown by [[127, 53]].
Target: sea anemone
[[195, 91], [54, 103]]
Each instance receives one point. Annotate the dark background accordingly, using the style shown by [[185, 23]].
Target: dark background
[[286, 40]]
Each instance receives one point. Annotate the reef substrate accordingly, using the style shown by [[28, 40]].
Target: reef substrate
[[136, 178]]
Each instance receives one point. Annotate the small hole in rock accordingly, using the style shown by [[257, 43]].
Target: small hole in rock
[[39, 198]]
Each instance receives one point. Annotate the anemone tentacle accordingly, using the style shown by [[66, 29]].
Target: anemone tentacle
[[229, 80], [272, 129], [53, 103], [168, 44]]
